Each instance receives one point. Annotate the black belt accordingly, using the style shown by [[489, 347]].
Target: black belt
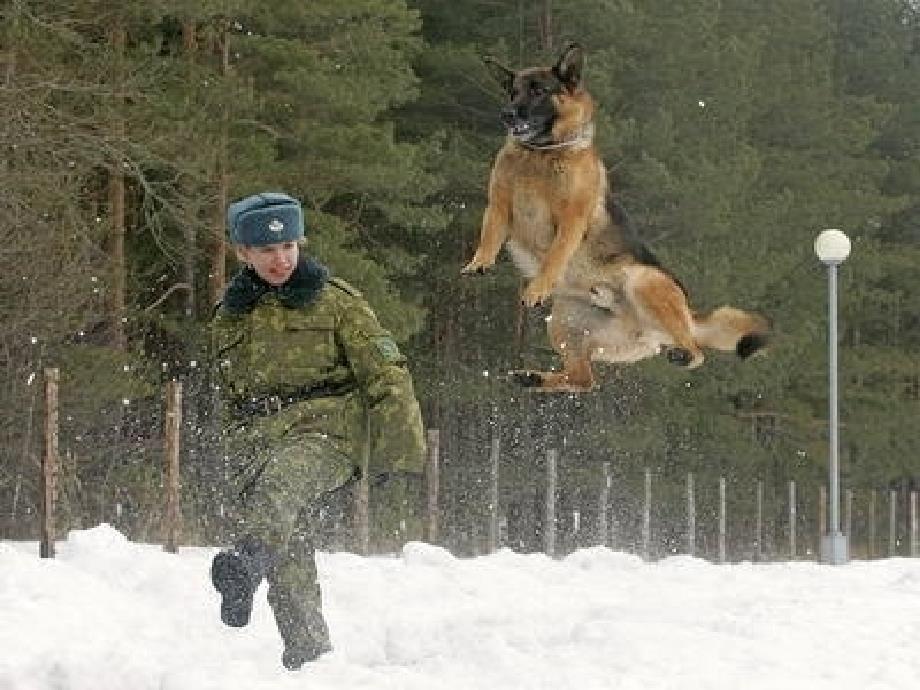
[[272, 403]]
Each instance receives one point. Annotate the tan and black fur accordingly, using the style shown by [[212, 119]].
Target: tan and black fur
[[550, 206]]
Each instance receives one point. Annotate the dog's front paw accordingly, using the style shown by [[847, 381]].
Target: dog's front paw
[[475, 267], [535, 293]]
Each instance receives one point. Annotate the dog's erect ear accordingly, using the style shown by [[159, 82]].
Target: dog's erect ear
[[568, 68], [499, 72]]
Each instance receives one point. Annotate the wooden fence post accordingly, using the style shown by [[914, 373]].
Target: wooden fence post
[[495, 457], [50, 463], [432, 475], [549, 519], [914, 526], [361, 515], [758, 525], [722, 519], [361, 510], [892, 523], [603, 501], [17, 488], [792, 519], [691, 516], [647, 516], [475, 541], [173, 426]]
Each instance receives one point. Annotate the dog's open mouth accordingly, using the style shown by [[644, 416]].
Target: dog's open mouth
[[521, 130]]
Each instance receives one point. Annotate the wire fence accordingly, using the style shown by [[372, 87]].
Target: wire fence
[[723, 520]]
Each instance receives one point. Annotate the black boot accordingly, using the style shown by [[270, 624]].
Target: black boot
[[309, 642], [236, 574], [301, 624]]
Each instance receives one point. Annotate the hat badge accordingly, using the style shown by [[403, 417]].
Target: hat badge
[[276, 225]]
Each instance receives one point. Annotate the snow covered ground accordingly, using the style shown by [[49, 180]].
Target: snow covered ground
[[111, 614]]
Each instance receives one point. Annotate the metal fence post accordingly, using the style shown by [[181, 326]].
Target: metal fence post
[[848, 514], [549, 515], [792, 520], [822, 513], [892, 523], [647, 516], [603, 501], [871, 547], [691, 516], [758, 526], [722, 519], [914, 526], [494, 493]]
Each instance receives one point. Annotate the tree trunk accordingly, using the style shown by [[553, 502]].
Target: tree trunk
[[117, 300], [546, 26], [218, 269], [15, 14], [522, 32], [190, 48]]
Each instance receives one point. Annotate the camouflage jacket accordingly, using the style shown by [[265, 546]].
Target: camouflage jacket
[[309, 360]]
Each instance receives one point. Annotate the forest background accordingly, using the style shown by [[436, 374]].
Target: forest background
[[734, 131]]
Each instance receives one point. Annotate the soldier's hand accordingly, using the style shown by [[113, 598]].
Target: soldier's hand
[[399, 497], [399, 477]]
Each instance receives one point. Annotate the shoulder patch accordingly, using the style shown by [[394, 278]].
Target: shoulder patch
[[344, 286], [387, 348]]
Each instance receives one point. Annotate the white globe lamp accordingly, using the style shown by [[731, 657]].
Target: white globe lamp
[[832, 246]]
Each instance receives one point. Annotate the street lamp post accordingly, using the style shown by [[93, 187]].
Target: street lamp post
[[832, 248]]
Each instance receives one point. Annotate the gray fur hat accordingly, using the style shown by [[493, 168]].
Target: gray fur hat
[[266, 218]]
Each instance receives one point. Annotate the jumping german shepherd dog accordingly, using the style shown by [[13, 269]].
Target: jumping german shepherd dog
[[549, 204]]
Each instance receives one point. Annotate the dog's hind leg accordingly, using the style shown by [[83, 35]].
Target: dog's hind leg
[[660, 299], [575, 377]]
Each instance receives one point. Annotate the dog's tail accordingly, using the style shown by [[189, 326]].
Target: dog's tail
[[730, 329]]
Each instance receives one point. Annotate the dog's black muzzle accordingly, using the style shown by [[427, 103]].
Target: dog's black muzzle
[[510, 115], [518, 123]]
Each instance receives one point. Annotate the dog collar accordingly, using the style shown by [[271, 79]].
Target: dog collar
[[581, 140]]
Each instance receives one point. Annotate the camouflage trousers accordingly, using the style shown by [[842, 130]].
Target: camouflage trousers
[[293, 499]]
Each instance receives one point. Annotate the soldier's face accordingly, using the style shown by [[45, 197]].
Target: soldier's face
[[274, 263]]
